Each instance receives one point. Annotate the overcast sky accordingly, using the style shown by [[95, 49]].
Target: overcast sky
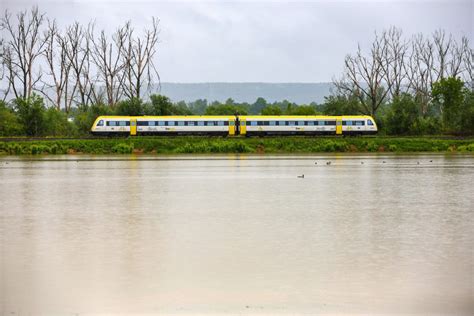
[[261, 41]]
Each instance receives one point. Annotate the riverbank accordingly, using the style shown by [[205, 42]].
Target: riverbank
[[203, 145]]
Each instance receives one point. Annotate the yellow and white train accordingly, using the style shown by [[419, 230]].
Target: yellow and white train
[[234, 125]]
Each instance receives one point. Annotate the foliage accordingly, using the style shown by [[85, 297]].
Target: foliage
[[9, 123], [130, 107], [30, 113], [448, 93], [341, 105], [217, 108], [403, 116], [271, 110], [173, 145]]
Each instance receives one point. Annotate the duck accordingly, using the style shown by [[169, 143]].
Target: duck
[[302, 176], [328, 163]]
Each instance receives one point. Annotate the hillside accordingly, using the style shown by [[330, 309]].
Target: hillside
[[301, 93]]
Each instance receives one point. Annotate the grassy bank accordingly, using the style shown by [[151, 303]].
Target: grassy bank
[[202, 145]]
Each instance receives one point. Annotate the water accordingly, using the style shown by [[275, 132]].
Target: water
[[237, 235]]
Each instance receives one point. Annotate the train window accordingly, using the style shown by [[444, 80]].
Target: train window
[[111, 123], [171, 123], [220, 123], [272, 123], [190, 123], [266, 123], [291, 123], [161, 123], [300, 123], [281, 123], [253, 123], [210, 123], [231, 123], [310, 123], [142, 123], [359, 123], [329, 123], [201, 123], [243, 123], [369, 122], [180, 123], [151, 123], [100, 123]]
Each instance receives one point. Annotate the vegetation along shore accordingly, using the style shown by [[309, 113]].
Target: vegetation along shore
[[203, 145]]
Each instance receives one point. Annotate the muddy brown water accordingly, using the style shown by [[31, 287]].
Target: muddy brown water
[[365, 234]]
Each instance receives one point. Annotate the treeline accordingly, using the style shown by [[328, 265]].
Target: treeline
[[55, 82], [452, 112]]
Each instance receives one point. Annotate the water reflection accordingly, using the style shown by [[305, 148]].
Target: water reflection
[[231, 235]]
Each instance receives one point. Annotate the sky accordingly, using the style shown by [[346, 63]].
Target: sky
[[260, 41]]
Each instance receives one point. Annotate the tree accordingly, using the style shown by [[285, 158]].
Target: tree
[[341, 105], [160, 105], [271, 110], [22, 50], [258, 106], [300, 110], [364, 76], [30, 112], [217, 108], [403, 116], [130, 107], [198, 107], [137, 56], [449, 94], [9, 124]]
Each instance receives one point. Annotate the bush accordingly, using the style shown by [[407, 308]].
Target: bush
[[30, 112], [9, 123], [123, 148]]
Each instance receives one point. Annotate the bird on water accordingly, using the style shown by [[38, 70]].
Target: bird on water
[[302, 176]]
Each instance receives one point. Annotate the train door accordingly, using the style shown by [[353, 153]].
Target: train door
[[232, 127], [133, 126], [242, 127], [339, 126]]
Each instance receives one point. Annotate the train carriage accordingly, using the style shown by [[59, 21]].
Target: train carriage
[[234, 125], [164, 125], [307, 125]]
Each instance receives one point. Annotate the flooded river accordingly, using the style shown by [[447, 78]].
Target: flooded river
[[359, 234]]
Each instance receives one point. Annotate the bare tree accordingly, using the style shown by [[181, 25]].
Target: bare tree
[[137, 57], [77, 43], [24, 46], [59, 66], [106, 57], [365, 76], [393, 58]]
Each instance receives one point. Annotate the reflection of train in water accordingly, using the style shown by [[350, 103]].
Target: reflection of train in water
[[234, 125]]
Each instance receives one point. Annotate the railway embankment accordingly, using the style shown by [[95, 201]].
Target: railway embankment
[[256, 145]]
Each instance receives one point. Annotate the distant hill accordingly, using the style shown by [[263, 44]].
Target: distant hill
[[300, 93]]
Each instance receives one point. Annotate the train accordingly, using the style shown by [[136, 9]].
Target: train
[[233, 125]]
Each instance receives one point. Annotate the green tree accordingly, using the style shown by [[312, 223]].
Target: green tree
[[198, 107], [57, 124], [271, 110], [217, 108], [130, 107], [341, 105], [449, 94], [30, 112], [403, 116], [9, 123], [258, 106], [300, 110], [84, 115], [467, 113], [160, 105]]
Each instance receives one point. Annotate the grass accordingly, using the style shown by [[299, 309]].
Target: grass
[[204, 145]]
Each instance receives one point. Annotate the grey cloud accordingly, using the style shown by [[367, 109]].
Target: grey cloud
[[266, 41]]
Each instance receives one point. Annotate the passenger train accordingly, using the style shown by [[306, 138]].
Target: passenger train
[[234, 125]]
